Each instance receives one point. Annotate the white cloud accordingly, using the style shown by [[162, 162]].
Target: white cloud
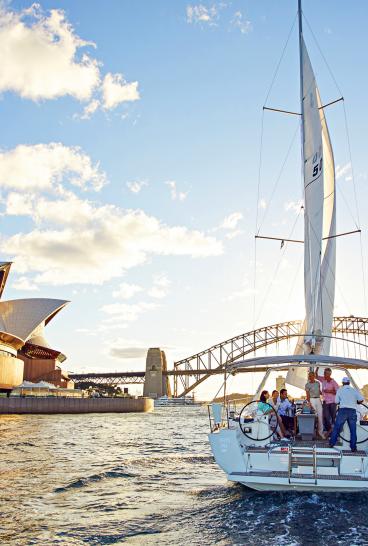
[[242, 24], [174, 193], [126, 351], [43, 58], [116, 90], [136, 185], [160, 288], [294, 206], [77, 241], [211, 15], [19, 204], [231, 221], [244, 291], [344, 171], [129, 348], [67, 211], [127, 291], [90, 109], [126, 312], [40, 56], [42, 166], [201, 14], [23, 283], [233, 234]]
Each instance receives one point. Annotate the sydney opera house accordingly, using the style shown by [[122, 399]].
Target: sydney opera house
[[24, 351]]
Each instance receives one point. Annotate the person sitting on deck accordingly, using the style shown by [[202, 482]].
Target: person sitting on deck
[[275, 402], [329, 390], [348, 398], [313, 392], [262, 405], [286, 411]]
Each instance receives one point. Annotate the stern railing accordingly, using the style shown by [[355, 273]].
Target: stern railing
[[220, 414]]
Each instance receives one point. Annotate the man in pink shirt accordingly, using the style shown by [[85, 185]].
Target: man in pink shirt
[[329, 390]]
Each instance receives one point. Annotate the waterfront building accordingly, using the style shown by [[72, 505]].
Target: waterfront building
[[24, 352]]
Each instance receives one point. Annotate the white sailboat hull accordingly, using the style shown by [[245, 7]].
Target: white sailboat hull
[[323, 486], [271, 467]]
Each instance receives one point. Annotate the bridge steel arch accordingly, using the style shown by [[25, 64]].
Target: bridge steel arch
[[216, 358]]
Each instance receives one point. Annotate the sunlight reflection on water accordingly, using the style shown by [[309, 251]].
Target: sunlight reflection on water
[[148, 479]]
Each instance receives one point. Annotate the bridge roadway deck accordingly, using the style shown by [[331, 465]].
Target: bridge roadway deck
[[127, 375], [131, 378]]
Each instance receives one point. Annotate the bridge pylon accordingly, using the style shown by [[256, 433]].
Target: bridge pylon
[[156, 382]]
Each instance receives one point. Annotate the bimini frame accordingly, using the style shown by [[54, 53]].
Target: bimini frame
[[269, 364]]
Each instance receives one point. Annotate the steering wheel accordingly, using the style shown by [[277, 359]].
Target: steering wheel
[[361, 441], [249, 415]]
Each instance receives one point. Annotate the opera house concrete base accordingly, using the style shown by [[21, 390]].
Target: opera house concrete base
[[11, 372], [20, 405]]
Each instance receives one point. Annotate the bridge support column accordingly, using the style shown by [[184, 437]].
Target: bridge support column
[[156, 382]]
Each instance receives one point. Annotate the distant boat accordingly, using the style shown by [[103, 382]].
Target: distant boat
[[243, 443], [182, 401]]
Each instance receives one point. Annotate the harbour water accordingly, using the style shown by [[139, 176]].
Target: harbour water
[[148, 479]]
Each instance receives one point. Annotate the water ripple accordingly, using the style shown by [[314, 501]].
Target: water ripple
[[77, 480]]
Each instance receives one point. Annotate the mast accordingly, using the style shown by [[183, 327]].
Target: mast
[[301, 80], [301, 75]]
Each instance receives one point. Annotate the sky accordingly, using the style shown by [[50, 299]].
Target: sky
[[130, 173]]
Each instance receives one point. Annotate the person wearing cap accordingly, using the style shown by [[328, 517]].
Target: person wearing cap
[[348, 398], [329, 390]]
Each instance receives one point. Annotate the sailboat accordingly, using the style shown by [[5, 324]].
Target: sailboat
[[243, 440]]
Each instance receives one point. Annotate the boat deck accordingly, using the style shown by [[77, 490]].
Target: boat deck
[[344, 452]]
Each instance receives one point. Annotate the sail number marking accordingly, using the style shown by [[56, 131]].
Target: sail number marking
[[317, 168]]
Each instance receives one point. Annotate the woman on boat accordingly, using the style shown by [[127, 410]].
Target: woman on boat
[[263, 406], [275, 401]]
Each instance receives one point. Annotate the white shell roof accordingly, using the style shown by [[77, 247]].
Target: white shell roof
[[21, 317], [38, 337]]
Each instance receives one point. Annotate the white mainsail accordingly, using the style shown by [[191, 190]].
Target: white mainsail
[[319, 223]]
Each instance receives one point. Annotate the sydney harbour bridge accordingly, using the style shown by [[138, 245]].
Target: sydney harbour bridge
[[349, 335]]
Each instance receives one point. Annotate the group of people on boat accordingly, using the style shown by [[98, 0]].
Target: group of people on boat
[[323, 395], [285, 409]]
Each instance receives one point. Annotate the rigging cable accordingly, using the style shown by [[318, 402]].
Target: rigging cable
[[357, 207], [323, 57], [277, 268], [297, 272], [260, 164], [256, 226], [350, 157], [279, 177], [280, 60]]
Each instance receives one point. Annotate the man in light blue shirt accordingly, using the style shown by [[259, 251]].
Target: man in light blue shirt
[[286, 412], [348, 398]]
